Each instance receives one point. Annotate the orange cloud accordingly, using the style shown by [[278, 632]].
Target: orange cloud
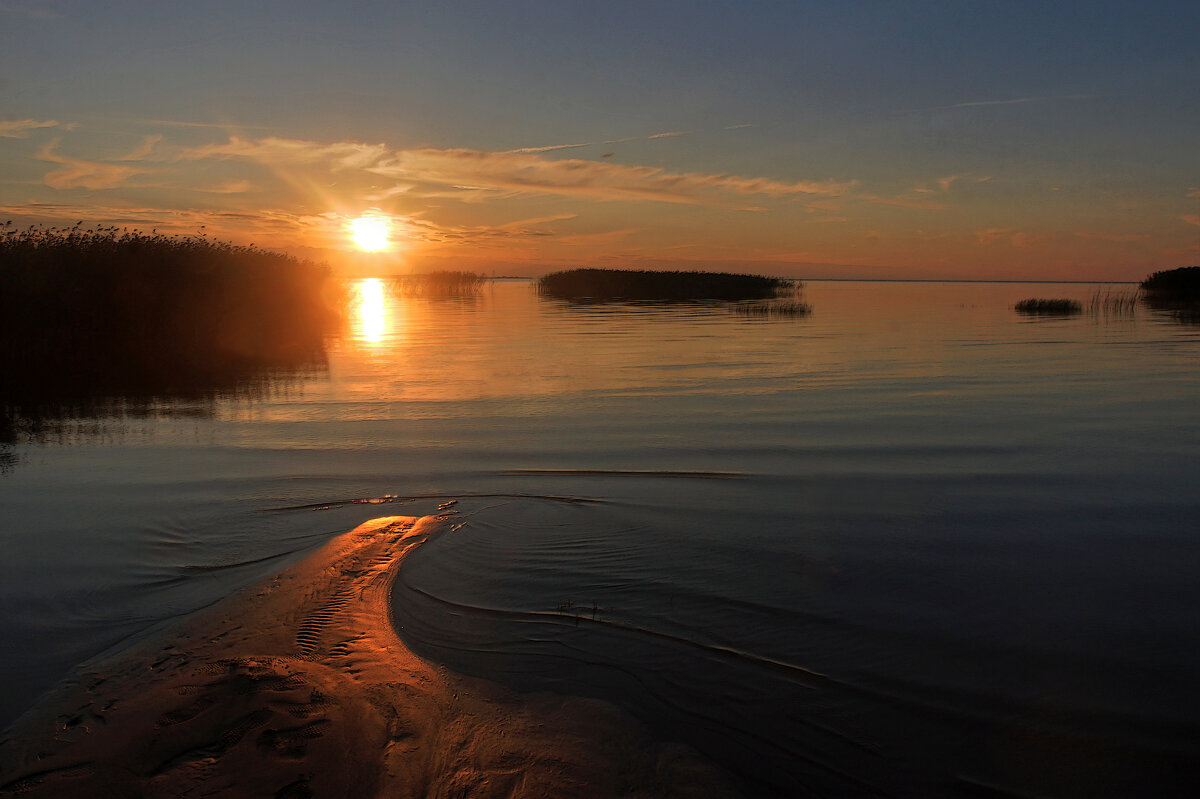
[[275, 150], [20, 128], [144, 149], [77, 174], [945, 183], [1014, 237], [230, 187], [1114, 236], [512, 173], [549, 147], [1191, 219], [475, 174], [904, 202]]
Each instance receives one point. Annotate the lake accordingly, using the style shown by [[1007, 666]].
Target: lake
[[913, 543]]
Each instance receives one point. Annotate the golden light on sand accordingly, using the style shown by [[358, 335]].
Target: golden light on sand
[[370, 233], [370, 311]]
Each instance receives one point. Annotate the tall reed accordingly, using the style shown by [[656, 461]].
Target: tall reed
[[86, 314], [437, 284], [1113, 303]]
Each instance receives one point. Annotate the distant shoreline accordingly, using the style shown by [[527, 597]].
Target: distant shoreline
[[893, 280]]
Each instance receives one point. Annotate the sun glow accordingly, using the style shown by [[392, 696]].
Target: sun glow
[[370, 233]]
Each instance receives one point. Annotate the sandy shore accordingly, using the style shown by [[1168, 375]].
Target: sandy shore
[[299, 687]]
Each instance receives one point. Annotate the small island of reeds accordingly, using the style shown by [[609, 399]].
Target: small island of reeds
[[1048, 307], [107, 312], [610, 285], [437, 285]]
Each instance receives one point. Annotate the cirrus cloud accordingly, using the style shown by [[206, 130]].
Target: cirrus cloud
[[21, 128], [478, 174], [79, 174]]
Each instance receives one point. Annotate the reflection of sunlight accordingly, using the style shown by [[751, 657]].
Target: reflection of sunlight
[[370, 321]]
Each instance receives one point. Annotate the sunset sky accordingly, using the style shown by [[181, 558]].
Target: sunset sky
[[975, 140]]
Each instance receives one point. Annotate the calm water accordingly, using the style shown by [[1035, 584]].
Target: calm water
[[913, 544]]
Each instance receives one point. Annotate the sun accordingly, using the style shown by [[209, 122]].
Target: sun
[[370, 233]]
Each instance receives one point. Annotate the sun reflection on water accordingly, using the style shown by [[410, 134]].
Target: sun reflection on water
[[370, 320]]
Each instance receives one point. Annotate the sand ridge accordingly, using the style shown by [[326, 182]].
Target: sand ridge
[[299, 687]]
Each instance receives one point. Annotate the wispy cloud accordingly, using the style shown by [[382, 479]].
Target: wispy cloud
[[740, 126], [541, 220], [549, 147], [20, 128], [78, 174], [1012, 101], [181, 123], [945, 183], [477, 175], [1194, 192], [230, 187], [1016, 238], [1114, 237], [1191, 219], [36, 10], [275, 150], [913, 203], [522, 173], [144, 149]]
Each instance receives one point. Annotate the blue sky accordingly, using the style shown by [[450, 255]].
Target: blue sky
[[925, 139]]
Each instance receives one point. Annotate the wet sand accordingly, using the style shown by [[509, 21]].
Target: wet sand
[[299, 687]]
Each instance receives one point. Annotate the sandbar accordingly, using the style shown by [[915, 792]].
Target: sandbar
[[299, 686]]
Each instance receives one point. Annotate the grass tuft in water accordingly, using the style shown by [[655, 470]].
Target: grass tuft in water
[[1113, 303], [1044, 307]]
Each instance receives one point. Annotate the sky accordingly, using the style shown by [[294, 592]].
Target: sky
[[942, 139]]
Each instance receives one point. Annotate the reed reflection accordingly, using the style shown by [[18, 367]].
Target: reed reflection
[[105, 324]]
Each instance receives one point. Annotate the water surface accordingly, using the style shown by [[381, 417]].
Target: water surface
[[913, 544]]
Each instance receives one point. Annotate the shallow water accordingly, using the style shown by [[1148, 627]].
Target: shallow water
[[913, 543]]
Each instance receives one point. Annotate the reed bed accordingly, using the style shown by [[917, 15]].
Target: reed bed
[[89, 314], [437, 284], [616, 285], [1048, 307]]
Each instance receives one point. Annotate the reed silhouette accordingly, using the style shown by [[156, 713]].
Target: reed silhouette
[[784, 308], [1113, 303], [1052, 307], [1178, 284], [1175, 292], [609, 285], [437, 285], [101, 322]]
